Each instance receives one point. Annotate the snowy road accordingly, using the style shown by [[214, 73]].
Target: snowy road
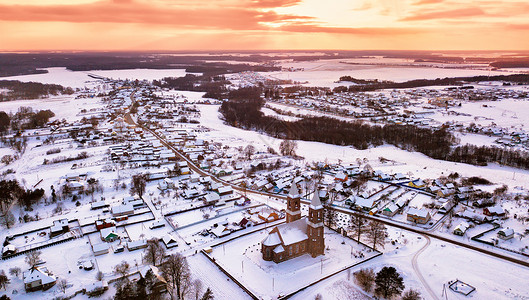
[[418, 272]]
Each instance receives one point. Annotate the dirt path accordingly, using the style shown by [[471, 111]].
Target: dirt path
[[418, 272]]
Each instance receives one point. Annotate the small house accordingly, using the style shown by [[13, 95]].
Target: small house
[[100, 249], [109, 234], [38, 278], [390, 210], [461, 228], [506, 233], [135, 245], [59, 227], [494, 211], [417, 183], [418, 216], [169, 241]]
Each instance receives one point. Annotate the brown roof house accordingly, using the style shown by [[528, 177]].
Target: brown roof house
[[299, 235]]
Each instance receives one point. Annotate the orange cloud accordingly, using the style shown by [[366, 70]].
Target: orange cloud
[[349, 30], [446, 14], [133, 12], [422, 2]]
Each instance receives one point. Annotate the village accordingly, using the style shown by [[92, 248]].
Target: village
[[141, 168]]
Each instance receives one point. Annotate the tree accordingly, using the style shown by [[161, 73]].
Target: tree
[[177, 274], [365, 278], [62, 285], [4, 297], [29, 197], [131, 291], [358, 225], [329, 213], [249, 151], [9, 191], [376, 234], [138, 184], [15, 271], [7, 159], [32, 258], [99, 276], [388, 282], [4, 280], [122, 270], [208, 295], [288, 147], [411, 295], [4, 122], [197, 288], [154, 253]]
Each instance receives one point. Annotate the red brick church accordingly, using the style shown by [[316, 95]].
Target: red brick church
[[298, 235]]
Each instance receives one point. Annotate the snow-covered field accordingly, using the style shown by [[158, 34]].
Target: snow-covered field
[[327, 72], [80, 79]]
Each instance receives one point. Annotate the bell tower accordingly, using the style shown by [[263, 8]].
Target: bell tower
[[293, 204], [315, 226]]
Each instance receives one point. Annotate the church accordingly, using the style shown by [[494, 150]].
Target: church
[[298, 235]]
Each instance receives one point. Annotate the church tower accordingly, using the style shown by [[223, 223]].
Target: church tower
[[315, 226], [293, 204]]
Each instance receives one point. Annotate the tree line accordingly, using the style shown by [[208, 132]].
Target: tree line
[[244, 110], [30, 90]]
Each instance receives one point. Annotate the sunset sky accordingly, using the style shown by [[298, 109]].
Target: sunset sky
[[263, 24]]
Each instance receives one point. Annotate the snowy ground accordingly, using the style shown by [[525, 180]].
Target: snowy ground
[[243, 260]]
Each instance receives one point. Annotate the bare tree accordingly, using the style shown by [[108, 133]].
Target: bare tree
[[329, 213], [249, 151], [288, 147], [4, 280], [365, 278], [32, 258], [177, 274], [358, 225], [138, 184], [154, 253], [411, 294], [99, 276], [62, 285], [15, 271], [122, 270], [197, 288], [376, 234]]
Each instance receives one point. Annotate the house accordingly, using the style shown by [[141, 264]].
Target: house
[[225, 190], [100, 249], [494, 211], [341, 177], [98, 205], [417, 183], [8, 250], [135, 245], [122, 209], [109, 234], [211, 198], [418, 216], [59, 227], [390, 210], [268, 215], [100, 224], [461, 228], [364, 204], [169, 241], [506, 233], [38, 278], [152, 275], [220, 231]]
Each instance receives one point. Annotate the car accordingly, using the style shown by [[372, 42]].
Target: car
[[118, 249]]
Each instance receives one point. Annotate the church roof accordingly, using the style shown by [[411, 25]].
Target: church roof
[[316, 203], [272, 239], [293, 232], [279, 249], [294, 192]]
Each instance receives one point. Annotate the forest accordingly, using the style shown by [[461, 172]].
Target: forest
[[17, 90], [244, 110], [377, 85]]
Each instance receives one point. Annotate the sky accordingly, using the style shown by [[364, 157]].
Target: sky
[[142, 25]]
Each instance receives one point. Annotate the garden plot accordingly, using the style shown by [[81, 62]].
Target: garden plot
[[142, 230], [243, 260], [199, 215]]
